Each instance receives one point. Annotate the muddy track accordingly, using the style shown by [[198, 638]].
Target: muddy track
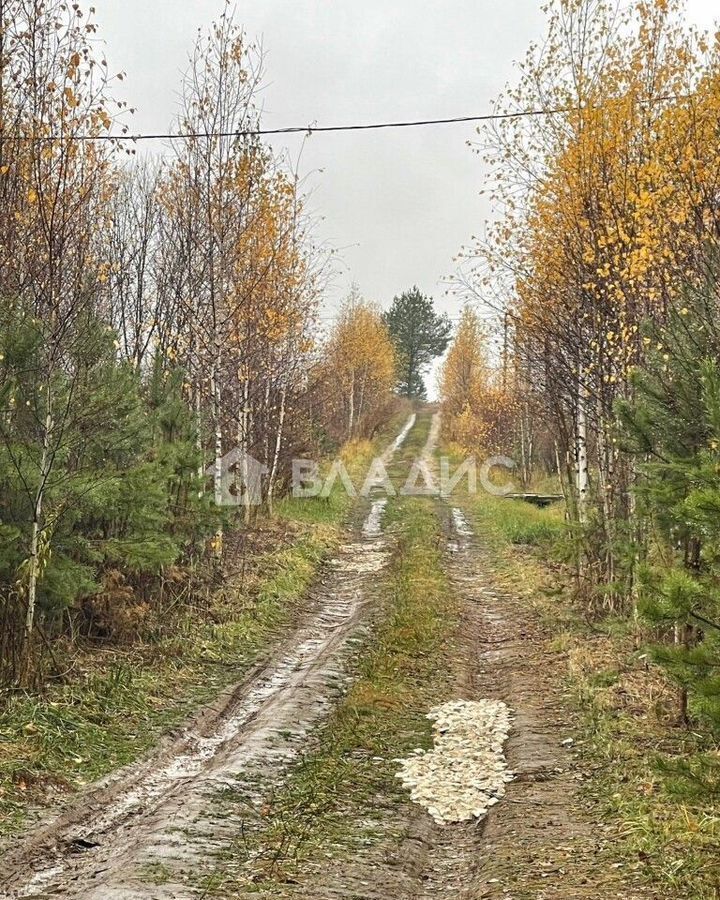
[[542, 840], [163, 817], [159, 814], [545, 839]]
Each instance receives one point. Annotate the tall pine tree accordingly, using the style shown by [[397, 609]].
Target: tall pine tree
[[419, 335], [672, 427]]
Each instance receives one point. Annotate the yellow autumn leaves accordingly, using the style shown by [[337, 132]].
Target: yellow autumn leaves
[[629, 195], [478, 408], [607, 205], [358, 368], [607, 216]]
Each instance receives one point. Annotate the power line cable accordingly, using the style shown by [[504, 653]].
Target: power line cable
[[316, 129]]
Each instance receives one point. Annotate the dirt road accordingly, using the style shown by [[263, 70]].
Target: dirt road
[[145, 833], [542, 840], [159, 813]]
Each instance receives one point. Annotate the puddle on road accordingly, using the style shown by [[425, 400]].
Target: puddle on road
[[400, 439], [462, 526], [373, 523], [462, 529]]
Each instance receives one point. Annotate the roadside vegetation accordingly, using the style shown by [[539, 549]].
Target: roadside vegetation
[[603, 269], [161, 358], [162, 364]]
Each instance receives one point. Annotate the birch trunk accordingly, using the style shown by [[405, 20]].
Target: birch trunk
[[276, 454], [351, 406], [361, 398], [218, 463], [636, 539], [565, 476], [34, 563], [245, 420], [526, 449], [267, 416], [605, 478], [582, 455], [198, 442]]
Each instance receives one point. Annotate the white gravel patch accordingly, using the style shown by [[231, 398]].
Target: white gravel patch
[[465, 773]]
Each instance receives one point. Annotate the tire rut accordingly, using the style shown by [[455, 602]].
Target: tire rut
[[542, 840], [159, 815]]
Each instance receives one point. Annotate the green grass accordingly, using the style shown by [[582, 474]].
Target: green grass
[[668, 833], [107, 716], [519, 522], [116, 703], [508, 521], [332, 509], [669, 826]]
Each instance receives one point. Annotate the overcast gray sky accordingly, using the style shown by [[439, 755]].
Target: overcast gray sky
[[398, 204]]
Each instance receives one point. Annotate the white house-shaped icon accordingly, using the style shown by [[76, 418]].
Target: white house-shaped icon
[[241, 478]]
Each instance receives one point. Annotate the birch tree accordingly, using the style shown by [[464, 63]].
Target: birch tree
[[358, 366], [54, 92], [596, 232]]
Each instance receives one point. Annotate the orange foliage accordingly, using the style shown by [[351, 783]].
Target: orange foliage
[[358, 368], [478, 412]]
